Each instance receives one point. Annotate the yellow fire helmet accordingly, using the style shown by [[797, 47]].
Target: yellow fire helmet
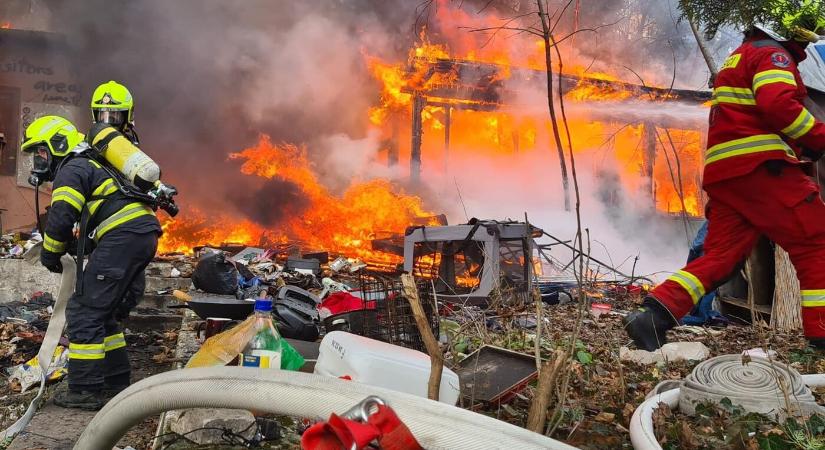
[[53, 132], [112, 103], [49, 139]]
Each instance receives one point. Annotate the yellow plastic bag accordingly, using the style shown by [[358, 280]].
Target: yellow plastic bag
[[222, 348], [29, 373]]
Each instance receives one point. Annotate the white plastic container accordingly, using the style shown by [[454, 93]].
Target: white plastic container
[[380, 364]]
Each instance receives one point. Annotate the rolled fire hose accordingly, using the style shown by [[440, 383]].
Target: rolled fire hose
[[752, 386], [434, 424], [50, 340]]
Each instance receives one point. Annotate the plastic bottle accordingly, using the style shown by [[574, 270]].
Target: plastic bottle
[[264, 350]]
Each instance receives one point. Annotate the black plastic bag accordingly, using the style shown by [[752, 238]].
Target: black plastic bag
[[215, 275]]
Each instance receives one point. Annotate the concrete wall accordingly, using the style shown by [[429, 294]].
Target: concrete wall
[[36, 79], [19, 279]]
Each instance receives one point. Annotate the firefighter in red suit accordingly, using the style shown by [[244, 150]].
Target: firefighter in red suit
[[761, 140]]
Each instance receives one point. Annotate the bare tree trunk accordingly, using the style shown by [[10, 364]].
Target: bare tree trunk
[[548, 60], [537, 415], [430, 341], [703, 47]]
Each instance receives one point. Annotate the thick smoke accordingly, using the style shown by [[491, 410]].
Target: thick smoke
[[210, 75]]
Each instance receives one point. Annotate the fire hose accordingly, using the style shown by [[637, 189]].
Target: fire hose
[[50, 340], [434, 424], [754, 387]]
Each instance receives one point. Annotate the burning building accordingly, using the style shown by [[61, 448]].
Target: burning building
[[465, 111]]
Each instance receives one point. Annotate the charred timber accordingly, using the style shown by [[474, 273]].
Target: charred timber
[[473, 81]]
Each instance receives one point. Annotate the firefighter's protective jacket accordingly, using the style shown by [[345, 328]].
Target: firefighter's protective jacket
[[758, 113], [82, 184]]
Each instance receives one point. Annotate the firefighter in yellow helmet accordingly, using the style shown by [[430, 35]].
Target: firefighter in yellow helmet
[[112, 104], [125, 235]]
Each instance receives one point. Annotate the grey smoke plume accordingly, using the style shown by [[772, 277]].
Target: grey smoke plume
[[210, 75]]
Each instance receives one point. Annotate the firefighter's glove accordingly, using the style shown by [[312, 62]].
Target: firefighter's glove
[[125, 307], [51, 261]]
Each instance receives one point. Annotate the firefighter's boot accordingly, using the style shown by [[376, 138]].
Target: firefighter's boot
[[114, 384], [648, 325], [87, 400], [817, 344]]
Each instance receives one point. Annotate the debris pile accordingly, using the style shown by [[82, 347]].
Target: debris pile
[[15, 244]]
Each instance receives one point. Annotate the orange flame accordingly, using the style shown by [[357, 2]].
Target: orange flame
[[344, 224]]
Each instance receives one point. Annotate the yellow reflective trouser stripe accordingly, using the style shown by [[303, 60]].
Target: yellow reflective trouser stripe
[[738, 96], [750, 144], [114, 342], [86, 351], [691, 284], [799, 127], [127, 213], [772, 76], [70, 196], [53, 245], [813, 298]]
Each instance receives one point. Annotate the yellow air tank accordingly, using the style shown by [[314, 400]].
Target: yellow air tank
[[124, 156]]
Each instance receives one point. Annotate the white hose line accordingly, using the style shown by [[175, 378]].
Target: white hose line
[[642, 433], [434, 424], [753, 386], [814, 380], [50, 341]]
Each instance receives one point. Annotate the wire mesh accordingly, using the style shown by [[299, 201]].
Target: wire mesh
[[387, 315]]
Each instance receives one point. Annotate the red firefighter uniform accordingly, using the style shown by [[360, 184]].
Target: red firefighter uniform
[[755, 180]]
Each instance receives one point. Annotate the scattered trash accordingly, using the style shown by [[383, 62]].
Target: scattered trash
[[206, 426], [494, 375], [224, 347], [340, 303], [377, 363], [305, 266], [339, 264], [673, 351], [597, 309], [175, 273], [331, 285], [297, 312], [357, 265], [759, 353], [215, 275], [28, 374], [248, 255]]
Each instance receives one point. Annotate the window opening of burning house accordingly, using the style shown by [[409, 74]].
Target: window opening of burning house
[[454, 266]]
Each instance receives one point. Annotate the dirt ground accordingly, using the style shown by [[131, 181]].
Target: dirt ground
[[56, 428], [603, 391]]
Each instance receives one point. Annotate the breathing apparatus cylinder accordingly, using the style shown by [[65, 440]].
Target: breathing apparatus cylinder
[[137, 167], [124, 156]]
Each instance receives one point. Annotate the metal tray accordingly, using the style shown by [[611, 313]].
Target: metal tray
[[493, 374]]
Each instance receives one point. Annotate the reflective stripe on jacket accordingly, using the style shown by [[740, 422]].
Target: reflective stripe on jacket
[[79, 184], [757, 112]]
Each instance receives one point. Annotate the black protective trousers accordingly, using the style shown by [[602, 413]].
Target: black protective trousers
[[113, 276]]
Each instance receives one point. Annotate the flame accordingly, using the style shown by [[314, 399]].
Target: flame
[[344, 224], [500, 131], [5, 25]]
